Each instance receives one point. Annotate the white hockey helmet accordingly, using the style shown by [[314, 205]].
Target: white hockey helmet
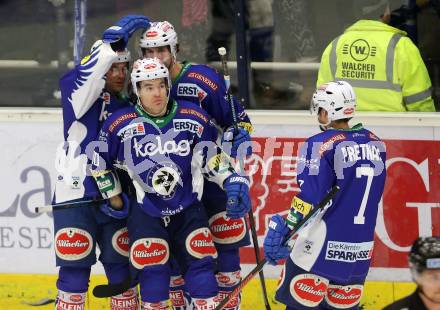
[[149, 69], [123, 56], [160, 34], [337, 98]]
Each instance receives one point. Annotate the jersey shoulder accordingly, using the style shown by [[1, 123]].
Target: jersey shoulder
[[190, 110], [204, 76], [119, 118], [326, 140]]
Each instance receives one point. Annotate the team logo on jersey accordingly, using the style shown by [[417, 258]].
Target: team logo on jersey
[[343, 297], [191, 90], [164, 179], [73, 243], [225, 230], [308, 289], [188, 125], [199, 243], [132, 130], [149, 252], [349, 252], [121, 242], [76, 182], [151, 148]]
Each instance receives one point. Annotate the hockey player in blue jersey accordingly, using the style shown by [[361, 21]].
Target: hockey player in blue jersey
[[205, 87], [167, 148], [90, 93], [330, 258]]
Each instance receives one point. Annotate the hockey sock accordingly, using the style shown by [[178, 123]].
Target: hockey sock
[[229, 276], [161, 305], [200, 280], [128, 300], [66, 300], [154, 282], [180, 298], [73, 279], [204, 303]]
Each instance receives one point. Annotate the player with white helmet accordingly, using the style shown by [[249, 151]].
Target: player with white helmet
[[424, 262], [331, 256], [205, 87], [160, 34], [167, 146], [337, 99], [90, 93]]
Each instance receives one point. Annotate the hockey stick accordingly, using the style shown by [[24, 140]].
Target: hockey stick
[[222, 52], [64, 205], [291, 234], [109, 290]]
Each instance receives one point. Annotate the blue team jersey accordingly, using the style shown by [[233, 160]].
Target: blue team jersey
[[166, 157], [339, 244], [205, 87], [86, 104]]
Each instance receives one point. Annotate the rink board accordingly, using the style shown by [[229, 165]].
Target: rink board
[[410, 207]]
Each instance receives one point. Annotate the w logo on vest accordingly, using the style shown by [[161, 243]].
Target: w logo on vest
[[359, 50]]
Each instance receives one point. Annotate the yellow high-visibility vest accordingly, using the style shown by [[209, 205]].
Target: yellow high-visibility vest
[[382, 64]]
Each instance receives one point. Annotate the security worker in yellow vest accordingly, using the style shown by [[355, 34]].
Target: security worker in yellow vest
[[382, 64]]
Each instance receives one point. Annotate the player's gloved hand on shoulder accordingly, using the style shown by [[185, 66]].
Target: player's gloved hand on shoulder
[[241, 142], [237, 192], [109, 208], [124, 28], [273, 242]]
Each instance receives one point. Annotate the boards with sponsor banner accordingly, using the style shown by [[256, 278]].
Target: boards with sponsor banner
[[410, 205]]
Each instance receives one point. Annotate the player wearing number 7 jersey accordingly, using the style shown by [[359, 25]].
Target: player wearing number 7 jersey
[[330, 259]]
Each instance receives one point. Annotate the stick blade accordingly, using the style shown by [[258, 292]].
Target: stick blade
[[109, 290]]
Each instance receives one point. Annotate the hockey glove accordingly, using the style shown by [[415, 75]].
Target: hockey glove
[[124, 28], [241, 142], [273, 243], [107, 209], [237, 192]]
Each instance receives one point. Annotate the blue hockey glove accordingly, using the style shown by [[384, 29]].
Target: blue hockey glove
[[237, 137], [237, 192], [273, 248], [124, 28], [117, 214]]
